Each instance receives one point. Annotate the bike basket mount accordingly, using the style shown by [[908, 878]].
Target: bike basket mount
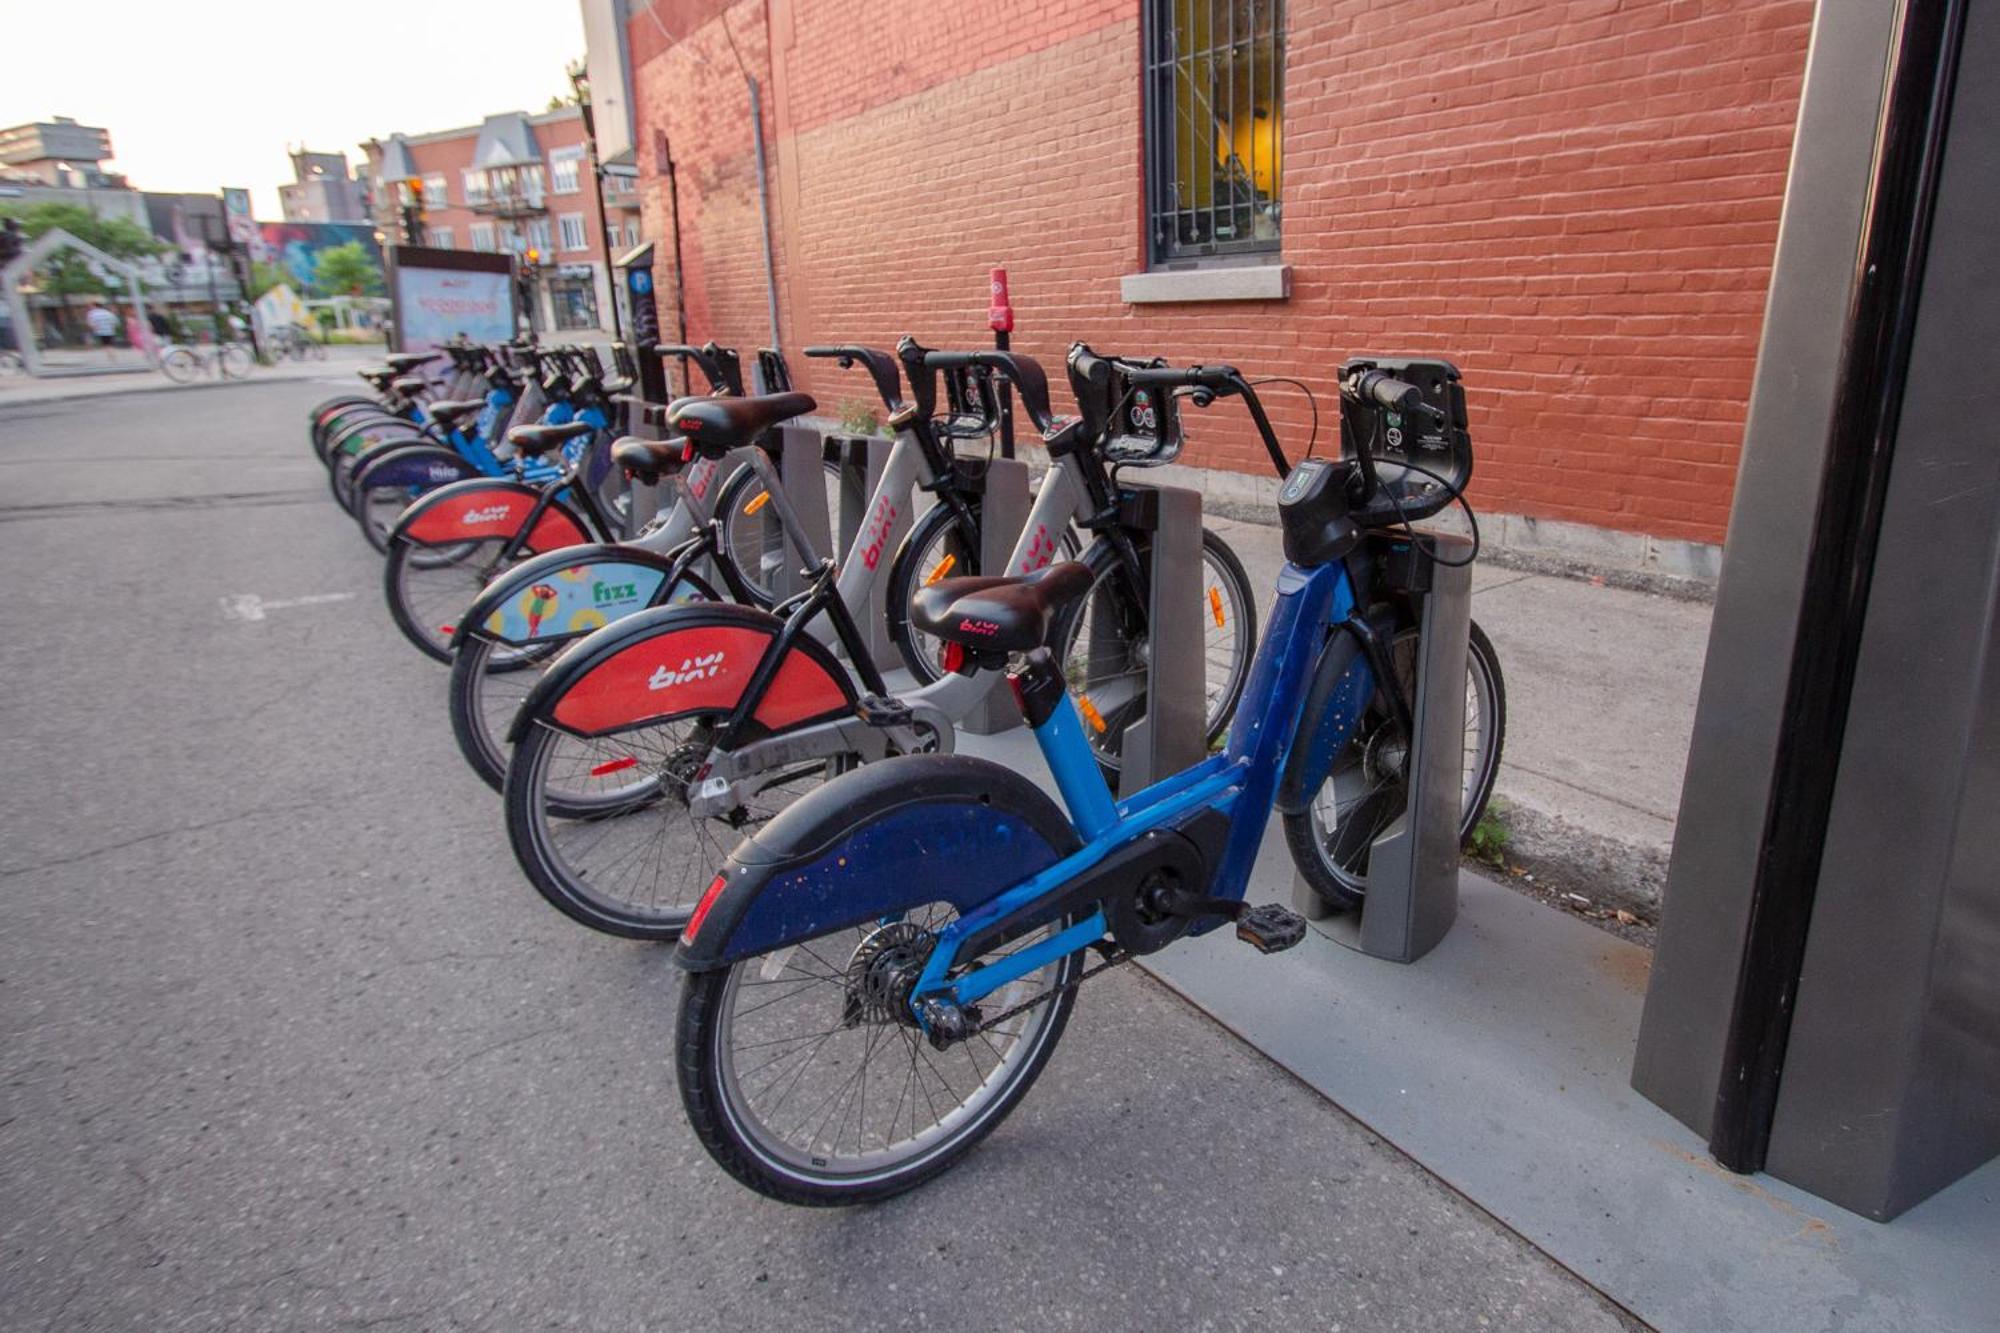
[[1397, 443], [1139, 426]]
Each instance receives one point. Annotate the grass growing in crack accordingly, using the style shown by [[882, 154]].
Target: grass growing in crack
[[1488, 840]]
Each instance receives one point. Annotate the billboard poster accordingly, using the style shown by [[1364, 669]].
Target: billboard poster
[[439, 295], [242, 230], [296, 246]]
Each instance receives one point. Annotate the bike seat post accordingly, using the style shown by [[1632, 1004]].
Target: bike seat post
[[1043, 696]]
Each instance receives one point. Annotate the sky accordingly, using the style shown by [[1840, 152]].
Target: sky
[[203, 95]]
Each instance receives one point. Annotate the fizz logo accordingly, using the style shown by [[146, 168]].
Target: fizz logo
[[1041, 549], [604, 594], [980, 627], [490, 514], [876, 535], [691, 669]]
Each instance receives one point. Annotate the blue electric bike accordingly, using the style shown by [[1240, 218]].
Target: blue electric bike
[[878, 974]]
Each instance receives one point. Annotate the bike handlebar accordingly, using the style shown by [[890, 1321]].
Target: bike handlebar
[[881, 368], [1221, 382], [1025, 373]]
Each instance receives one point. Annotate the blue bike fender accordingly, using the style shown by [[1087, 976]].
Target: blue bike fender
[[1341, 686], [407, 463], [565, 593], [882, 840]]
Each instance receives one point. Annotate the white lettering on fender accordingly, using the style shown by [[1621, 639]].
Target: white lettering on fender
[[692, 668], [490, 514]]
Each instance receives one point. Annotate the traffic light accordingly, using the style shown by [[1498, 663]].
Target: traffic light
[[413, 210]]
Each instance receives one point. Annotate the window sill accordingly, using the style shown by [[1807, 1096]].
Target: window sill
[[1248, 282]]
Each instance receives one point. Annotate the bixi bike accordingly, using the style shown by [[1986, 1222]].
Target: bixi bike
[[879, 973]]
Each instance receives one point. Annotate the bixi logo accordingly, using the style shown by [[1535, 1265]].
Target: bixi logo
[[877, 534], [981, 627], [692, 668], [490, 514]]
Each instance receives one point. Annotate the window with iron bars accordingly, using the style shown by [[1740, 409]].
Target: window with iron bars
[[1214, 109]]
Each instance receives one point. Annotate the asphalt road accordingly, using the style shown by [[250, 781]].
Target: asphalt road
[[287, 1042]]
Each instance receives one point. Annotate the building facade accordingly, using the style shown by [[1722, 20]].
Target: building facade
[[322, 190], [1575, 200], [516, 184]]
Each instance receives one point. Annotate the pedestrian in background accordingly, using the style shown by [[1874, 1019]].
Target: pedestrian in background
[[103, 326]]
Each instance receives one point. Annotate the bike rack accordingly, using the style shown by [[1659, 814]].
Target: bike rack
[[1413, 866], [799, 456], [1171, 735], [862, 458], [1003, 512]]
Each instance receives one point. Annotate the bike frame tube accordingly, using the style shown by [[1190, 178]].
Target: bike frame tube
[[1240, 782]]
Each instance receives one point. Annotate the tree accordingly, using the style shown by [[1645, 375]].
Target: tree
[[69, 273], [347, 270], [263, 277], [579, 86]]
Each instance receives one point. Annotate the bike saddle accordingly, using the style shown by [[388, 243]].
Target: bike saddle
[[530, 441], [453, 410], [402, 361], [1008, 615], [646, 460], [717, 425]]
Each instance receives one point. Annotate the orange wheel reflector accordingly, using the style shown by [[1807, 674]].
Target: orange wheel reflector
[[1091, 715], [1215, 605], [940, 569], [610, 766], [762, 498]]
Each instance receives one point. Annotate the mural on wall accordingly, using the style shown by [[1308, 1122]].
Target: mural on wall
[[296, 246]]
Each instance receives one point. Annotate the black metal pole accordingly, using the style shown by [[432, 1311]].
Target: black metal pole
[[603, 214]]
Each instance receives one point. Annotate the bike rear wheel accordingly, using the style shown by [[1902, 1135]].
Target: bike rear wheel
[[490, 680], [809, 1083], [602, 827], [234, 361], [943, 545], [1366, 791]]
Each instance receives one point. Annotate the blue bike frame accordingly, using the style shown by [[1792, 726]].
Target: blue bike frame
[[1241, 782]]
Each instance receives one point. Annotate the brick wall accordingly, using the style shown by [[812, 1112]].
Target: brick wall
[[1576, 201]]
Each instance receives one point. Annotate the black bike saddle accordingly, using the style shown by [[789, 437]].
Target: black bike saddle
[[717, 425], [528, 441], [1009, 615]]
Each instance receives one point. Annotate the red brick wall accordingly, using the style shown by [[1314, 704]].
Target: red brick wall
[[1576, 201]]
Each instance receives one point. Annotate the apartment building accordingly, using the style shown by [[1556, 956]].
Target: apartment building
[[515, 184]]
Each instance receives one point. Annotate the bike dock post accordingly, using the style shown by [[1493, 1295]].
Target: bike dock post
[[1003, 512], [862, 458], [1413, 864], [1172, 734], [800, 474]]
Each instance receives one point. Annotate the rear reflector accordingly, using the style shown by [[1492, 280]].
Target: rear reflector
[[610, 766], [701, 908], [447, 629], [954, 656]]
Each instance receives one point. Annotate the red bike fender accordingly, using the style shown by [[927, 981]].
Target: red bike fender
[[697, 667], [468, 510]]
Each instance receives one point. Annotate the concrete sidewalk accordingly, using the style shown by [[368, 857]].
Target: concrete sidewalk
[[1601, 686]]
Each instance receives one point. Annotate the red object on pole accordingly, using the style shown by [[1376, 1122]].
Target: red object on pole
[[1000, 314]]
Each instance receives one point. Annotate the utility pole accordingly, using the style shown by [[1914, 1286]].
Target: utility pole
[[579, 82]]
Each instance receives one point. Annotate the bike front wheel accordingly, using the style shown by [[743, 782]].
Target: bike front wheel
[[235, 361], [180, 365], [808, 1081], [1366, 791], [1104, 645], [429, 587], [751, 537]]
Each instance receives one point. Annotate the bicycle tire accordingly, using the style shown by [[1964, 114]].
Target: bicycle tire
[[425, 626], [233, 361], [754, 543], [1306, 839], [180, 365], [475, 714], [645, 811], [1221, 568], [711, 1088]]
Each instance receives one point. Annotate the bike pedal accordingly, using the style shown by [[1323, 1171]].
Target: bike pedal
[[877, 711], [1271, 927]]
